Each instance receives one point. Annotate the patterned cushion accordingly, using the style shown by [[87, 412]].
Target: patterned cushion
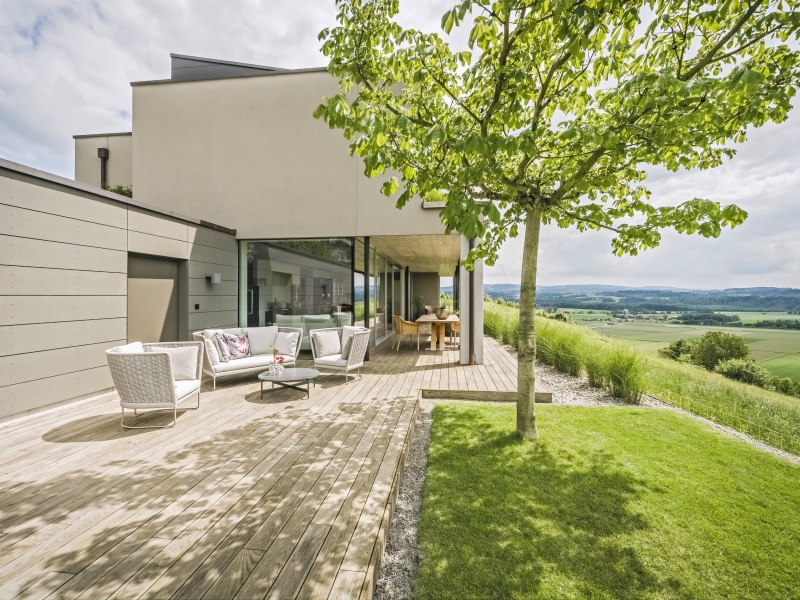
[[238, 345], [222, 347]]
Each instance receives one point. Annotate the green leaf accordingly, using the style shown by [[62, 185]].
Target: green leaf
[[435, 134], [475, 144]]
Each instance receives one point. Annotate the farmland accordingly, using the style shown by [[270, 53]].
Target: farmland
[[776, 349]]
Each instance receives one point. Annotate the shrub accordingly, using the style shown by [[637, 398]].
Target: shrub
[[716, 346], [625, 371], [677, 350], [745, 370], [787, 386]]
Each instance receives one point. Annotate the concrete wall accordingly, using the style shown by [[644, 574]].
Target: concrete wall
[[427, 286], [119, 168], [247, 152], [63, 283]]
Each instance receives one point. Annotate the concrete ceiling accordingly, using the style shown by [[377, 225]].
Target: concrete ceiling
[[421, 253]]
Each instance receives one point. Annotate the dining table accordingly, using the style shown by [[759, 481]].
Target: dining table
[[437, 328]]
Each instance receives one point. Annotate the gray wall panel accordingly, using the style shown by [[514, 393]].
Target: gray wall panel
[[33, 281], [22, 310], [44, 196], [19, 339], [43, 226], [224, 319], [19, 368], [144, 243], [43, 392], [213, 255], [58, 255]]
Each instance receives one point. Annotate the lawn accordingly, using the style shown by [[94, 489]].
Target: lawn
[[610, 503]]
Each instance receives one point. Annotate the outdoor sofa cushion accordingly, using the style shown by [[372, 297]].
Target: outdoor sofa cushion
[[327, 343], [347, 339], [132, 348], [286, 343], [262, 339], [250, 362], [187, 386], [334, 360], [183, 359]]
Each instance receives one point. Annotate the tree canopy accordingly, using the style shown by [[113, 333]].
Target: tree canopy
[[560, 104]]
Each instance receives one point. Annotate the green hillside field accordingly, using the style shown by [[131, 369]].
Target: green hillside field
[[776, 349]]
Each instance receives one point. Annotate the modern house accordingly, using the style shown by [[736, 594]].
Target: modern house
[[245, 211]]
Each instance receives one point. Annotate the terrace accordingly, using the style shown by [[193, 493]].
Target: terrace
[[248, 497]]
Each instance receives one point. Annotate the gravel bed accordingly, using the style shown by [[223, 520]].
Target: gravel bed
[[401, 557]]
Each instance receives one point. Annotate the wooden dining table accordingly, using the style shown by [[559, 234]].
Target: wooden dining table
[[437, 328]]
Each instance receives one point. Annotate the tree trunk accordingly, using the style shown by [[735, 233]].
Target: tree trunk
[[526, 347]]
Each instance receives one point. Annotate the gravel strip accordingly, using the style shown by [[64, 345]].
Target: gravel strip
[[401, 557]]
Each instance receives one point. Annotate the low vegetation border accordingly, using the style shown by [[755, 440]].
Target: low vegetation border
[[767, 416]]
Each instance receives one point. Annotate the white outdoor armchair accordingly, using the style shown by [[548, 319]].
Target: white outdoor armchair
[[145, 379], [332, 359]]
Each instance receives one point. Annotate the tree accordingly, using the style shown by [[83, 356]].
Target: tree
[[715, 347], [553, 111]]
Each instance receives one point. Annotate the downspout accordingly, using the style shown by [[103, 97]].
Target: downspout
[[472, 308], [102, 153]]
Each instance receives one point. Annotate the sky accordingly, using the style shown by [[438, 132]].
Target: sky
[[66, 68]]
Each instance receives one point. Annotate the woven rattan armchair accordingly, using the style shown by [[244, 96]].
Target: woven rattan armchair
[[144, 380], [403, 327], [335, 362]]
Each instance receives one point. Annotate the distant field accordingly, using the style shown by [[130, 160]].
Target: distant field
[[777, 349], [752, 317]]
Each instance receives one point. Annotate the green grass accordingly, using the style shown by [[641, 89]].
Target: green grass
[[768, 416], [623, 503]]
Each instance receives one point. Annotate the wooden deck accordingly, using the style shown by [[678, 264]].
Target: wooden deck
[[279, 497]]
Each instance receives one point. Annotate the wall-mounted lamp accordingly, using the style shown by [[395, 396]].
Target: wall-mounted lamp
[[214, 277]]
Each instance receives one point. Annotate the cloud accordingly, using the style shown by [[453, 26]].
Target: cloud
[[67, 65]]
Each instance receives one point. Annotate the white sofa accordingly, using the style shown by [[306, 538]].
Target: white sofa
[[262, 342]]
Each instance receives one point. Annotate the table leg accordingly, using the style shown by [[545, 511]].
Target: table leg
[[433, 336], [441, 336]]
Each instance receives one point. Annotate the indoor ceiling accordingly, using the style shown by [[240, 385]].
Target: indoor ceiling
[[421, 253]]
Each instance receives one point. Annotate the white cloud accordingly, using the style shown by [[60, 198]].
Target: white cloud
[[67, 65]]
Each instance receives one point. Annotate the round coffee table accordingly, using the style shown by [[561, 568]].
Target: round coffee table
[[291, 378]]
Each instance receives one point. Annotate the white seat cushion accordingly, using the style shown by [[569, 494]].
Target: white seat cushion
[[334, 360], [262, 339], [248, 362], [187, 387]]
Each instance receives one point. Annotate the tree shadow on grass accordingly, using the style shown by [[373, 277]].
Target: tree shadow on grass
[[508, 519]]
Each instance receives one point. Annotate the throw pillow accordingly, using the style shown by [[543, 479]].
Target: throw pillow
[[327, 343], [238, 345], [183, 359], [262, 339], [286, 343], [222, 347], [211, 350], [132, 348]]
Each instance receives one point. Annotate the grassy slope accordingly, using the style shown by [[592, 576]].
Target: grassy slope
[[609, 503]]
